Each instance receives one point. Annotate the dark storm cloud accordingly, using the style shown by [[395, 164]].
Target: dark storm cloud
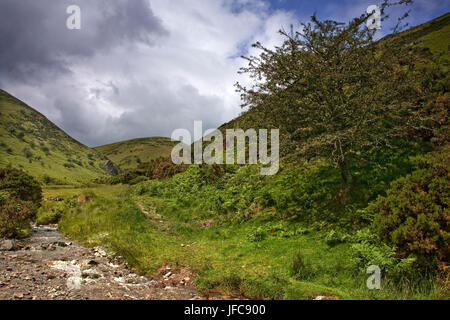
[[35, 43]]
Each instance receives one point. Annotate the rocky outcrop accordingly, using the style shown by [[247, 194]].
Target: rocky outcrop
[[111, 168]]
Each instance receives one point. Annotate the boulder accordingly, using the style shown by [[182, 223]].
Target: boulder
[[7, 245]]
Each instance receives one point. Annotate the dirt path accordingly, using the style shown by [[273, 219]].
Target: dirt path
[[47, 265]]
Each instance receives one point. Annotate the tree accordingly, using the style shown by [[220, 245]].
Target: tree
[[333, 90]]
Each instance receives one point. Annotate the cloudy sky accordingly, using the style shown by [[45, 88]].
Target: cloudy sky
[[141, 68]]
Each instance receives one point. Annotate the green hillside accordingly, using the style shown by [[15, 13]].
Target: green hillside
[[129, 154], [28, 140]]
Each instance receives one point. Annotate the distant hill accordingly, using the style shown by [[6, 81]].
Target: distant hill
[[28, 140], [129, 154]]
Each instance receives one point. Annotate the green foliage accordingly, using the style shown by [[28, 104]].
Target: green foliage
[[300, 269], [20, 185], [52, 211], [334, 237], [15, 217], [20, 135], [20, 197], [343, 110], [414, 215], [368, 249], [124, 178], [27, 153], [46, 150], [259, 234], [305, 192], [137, 180]]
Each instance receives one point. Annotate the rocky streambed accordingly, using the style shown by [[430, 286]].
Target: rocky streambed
[[47, 265]]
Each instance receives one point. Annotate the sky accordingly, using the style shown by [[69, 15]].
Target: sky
[[143, 68]]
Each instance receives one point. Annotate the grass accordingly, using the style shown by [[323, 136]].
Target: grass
[[129, 154], [224, 256]]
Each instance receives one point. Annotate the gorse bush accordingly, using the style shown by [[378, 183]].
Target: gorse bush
[[20, 197], [414, 216], [15, 217], [20, 185]]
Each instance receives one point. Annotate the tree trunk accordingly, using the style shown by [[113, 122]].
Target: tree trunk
[[346, 173]]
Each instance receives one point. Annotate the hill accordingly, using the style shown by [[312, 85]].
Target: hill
[[129, 154], [28, 140]]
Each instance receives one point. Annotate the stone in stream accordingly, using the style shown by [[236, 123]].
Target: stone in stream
[[7, 245]]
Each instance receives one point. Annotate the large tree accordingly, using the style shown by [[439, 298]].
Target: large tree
[[333, 90]]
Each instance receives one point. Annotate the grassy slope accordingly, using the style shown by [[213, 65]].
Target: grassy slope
[[128, 154], [28, 140], [223, 256]]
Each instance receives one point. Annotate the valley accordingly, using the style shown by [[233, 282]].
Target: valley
[[156, 230]]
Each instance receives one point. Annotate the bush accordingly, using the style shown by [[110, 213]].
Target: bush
[[124, 178], [27, 153], [46, 150], [20, 197], [161, 168], [137, 180], [20, 185], [299, 268], [333, 238], [368, 249], [15, 216], [258, 235], [414, 216], [308, 192], [51, 212], [68, 165]]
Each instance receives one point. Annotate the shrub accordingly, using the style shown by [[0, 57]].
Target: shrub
[[258, 235], [68, 165], [125, 178], [46, 150], [414, 216], [27, 153], [334, 237], [51, 212], [138, 179], [299, 268], [161, 168], [20, 197], [15, 216], [20, 185], [368, 249], [307, 192], [47, 179]]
